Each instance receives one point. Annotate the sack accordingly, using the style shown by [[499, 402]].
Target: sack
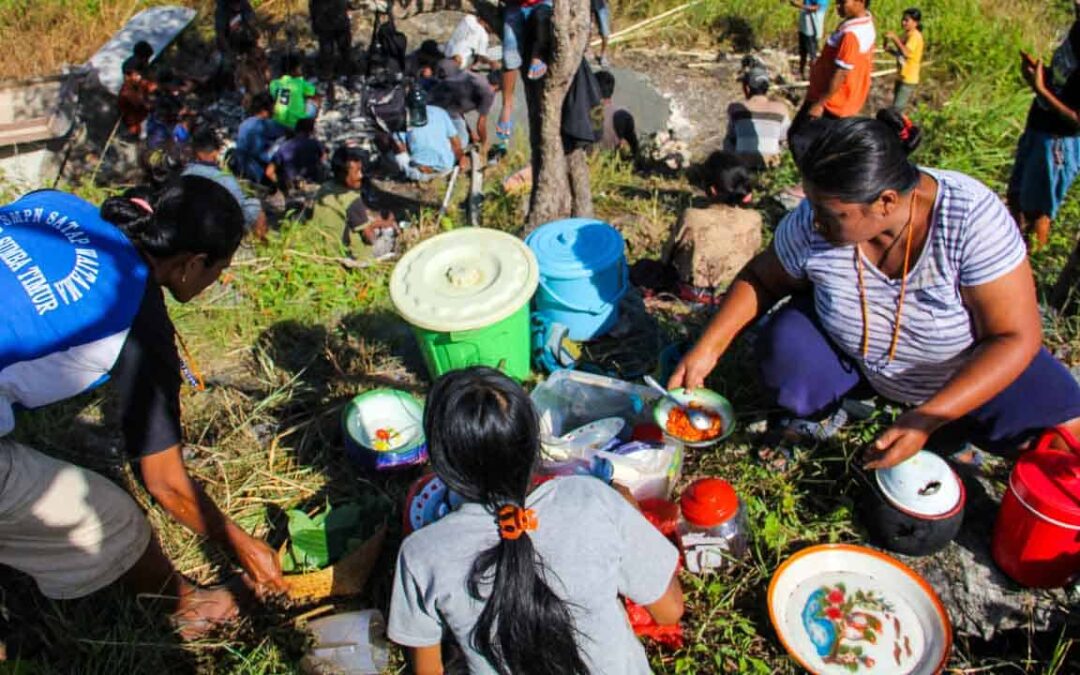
[[583, 113], [385, 104], [388, 43]]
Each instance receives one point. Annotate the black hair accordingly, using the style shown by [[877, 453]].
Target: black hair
[[342, 158], [728, 176], [132, 65], [858, 158], [291, 63], [305, 125], [915, 15], [143, 50], [191, 215], [607, 83], [205, 139], [260, 102], [484, 442]]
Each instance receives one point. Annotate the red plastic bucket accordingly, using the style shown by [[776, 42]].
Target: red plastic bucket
[[1037, 534]]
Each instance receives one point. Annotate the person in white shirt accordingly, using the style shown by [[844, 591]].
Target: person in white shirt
[[468, 44]]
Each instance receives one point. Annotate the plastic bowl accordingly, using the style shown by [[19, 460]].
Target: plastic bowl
[[708, 400], [383, 429]]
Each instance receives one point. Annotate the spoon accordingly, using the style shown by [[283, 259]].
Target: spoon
[[698, 419]]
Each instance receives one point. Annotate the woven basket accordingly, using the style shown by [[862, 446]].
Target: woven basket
[[345, 577]]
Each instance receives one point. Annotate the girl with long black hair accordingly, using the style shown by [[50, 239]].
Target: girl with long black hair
[[83, 303], [526, 581]]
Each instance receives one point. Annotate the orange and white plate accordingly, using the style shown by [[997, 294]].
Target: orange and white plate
[[839, 608]]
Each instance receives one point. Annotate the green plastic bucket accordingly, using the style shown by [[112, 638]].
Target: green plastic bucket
[[466, 296], [499, 345]]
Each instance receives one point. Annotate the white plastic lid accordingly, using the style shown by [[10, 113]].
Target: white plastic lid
[[464, 280], [924, 485]]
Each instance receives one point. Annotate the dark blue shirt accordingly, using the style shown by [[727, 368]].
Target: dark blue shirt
[[300, 157], [254, 140]]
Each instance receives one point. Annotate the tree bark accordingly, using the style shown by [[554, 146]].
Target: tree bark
[[560, 187]]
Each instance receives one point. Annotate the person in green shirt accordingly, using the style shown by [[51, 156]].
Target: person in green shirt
[[291, 93], [339, 206]]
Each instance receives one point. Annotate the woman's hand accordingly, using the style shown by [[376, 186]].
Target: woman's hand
[[903, 439], [694, 368], [260, 562]]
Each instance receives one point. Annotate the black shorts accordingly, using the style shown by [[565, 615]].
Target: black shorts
[[807, 46]]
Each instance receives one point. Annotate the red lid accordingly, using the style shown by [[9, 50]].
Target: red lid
[[709, 502], [664, 515], [1049, 482]]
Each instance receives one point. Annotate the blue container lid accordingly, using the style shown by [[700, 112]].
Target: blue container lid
[[576, 247]]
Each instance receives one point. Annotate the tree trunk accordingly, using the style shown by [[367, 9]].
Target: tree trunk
[[1067, 289], [560, 187]]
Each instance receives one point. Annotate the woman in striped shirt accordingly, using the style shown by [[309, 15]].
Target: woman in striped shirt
[[914, 281]]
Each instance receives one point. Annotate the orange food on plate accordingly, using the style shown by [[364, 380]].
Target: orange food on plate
[[679, 426]]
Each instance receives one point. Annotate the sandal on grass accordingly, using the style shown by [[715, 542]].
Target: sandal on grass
[[504, 130], [537, 69]]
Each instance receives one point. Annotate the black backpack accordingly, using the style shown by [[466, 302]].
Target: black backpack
[[388, 44], [385, 103]]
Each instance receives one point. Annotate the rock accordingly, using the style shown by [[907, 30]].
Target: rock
[[980, 599]]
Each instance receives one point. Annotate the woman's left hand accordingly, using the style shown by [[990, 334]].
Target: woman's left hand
[[903, 439]]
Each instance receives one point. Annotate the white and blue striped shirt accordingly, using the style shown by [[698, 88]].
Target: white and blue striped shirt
[[972, 241]]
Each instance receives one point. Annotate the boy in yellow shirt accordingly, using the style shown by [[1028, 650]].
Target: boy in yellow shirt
[[909, 54]]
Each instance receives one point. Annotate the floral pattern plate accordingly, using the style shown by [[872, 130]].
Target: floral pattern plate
[[839, 608]]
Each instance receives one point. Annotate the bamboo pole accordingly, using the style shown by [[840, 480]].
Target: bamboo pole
[[620, 35]]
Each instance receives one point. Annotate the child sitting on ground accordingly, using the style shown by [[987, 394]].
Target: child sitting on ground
[[339, 206], [299, 159], [292, 94], [518, 575], [709, 246]]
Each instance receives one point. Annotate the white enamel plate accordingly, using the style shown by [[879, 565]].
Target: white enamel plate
[[846, 609]]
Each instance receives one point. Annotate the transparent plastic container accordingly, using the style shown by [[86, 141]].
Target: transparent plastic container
[[353, 643], [713, 530]]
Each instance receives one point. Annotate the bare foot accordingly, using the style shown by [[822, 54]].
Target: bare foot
[[199, 610]]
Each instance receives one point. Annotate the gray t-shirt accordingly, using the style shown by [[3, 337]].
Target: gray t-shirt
[[595, 547]]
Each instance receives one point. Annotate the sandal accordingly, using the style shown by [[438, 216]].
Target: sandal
[[504, 130], [537, 69]]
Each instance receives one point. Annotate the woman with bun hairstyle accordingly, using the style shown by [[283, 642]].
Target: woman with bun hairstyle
[[83, 303], [526, 580], [912, 280]]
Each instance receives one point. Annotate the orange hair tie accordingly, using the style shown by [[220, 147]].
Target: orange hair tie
[[515, 521]]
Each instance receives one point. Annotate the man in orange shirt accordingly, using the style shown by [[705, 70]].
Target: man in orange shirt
[[840, 77]]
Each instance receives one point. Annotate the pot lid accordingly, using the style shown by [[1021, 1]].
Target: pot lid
[[709, 502], [576, 247], [463, 280], [1048, 481], [923, 485]]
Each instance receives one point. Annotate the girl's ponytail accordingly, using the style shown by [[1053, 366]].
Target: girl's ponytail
[[191, 215], [484, 442]]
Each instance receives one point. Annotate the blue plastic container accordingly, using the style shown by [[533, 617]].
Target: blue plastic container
[[583, 275]]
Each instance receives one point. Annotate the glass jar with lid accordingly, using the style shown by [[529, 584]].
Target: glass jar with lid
[[713, 528]]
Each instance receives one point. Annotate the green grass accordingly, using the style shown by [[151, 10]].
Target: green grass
[[291, 334]]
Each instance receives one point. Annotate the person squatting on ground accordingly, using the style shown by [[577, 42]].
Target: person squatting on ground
[[909, 55], [526, 580], [1048, 153], [135, 99], [235, 25], [339, 206], [430, 146], [69, 528], [255, 141], [913, 281], [461, 92], [294, 97], [526, 30], [333, 30], [840, 77], [704, 245], [619, 127], [758, 126], [811, 28], [469, 43], [297, 160]]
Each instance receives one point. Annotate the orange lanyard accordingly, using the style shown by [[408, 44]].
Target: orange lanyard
[[188, 368], [903, 290]]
